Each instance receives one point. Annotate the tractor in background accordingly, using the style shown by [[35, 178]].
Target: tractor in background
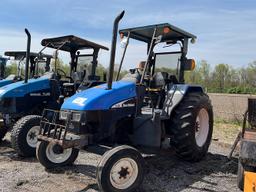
[[27, 99], [142, 110], [33, 65], [8, 85]]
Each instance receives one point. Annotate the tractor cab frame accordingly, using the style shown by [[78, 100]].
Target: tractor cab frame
[[74, 45], [35, 59], [159, 33]]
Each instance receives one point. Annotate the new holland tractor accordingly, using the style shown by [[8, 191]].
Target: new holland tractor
[[9, 84], [140, 111], [22, 103]]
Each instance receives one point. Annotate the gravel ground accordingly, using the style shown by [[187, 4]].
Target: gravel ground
[[164, 172]]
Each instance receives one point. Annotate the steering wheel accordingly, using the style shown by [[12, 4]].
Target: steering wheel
[[63, 73]]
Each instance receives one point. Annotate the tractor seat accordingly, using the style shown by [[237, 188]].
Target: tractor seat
[[11, 77], [159, 80], [48, 75], [132, 76]]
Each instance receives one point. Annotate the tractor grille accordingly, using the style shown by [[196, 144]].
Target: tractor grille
[[54, 130], [252, 112]]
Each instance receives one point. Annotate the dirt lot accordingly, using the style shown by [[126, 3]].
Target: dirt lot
[[164, 172]]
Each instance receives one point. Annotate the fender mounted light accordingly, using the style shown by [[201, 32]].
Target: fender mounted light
[[166, 30]]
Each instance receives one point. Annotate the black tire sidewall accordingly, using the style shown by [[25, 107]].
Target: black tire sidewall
[[3, 131], [104, 175]]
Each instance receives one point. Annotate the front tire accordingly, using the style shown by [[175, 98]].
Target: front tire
[[120, 170], [51, 155], [191, 127], [24, 135], [3, 131]]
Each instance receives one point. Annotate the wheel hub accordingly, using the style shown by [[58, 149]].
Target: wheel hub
[[56, 154], [57, 149], [32, 136], [202, 127], [124, 173]]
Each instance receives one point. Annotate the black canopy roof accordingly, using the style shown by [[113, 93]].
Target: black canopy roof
[[145, 33], [71, 43], [19, 54]]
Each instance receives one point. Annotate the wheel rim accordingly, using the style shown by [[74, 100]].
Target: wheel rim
[[202, 127], [32, 136], [57, 157], [124, 173]]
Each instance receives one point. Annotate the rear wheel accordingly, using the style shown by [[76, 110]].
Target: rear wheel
[[191, 126], [24, 135], [120, 169], [52, 155]]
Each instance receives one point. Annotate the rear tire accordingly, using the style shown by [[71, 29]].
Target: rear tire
[[121, 169], [191, 126], [50, 159], [24, 135]]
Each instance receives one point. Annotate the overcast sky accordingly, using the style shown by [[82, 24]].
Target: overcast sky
[[225, 28]]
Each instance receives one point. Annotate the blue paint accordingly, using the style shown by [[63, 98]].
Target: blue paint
[[4, 82], [99, 98], [20, 89]]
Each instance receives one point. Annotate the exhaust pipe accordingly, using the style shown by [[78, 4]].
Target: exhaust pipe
[[113, 49], [27, 55]]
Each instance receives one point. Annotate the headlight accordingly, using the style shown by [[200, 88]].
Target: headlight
[[76, 117], [63, 115]]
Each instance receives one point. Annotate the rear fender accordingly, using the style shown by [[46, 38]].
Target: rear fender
[[177, 93]]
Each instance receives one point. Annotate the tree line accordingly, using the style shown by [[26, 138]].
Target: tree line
[[222, 78]]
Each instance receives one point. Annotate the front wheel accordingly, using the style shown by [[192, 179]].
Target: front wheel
[[3, 131], [191, 126], [120, 170], [24, 135], [52, 155]]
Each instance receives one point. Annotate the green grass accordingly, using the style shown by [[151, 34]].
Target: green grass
[[225, 132]]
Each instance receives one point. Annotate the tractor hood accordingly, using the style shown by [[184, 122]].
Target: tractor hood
[[99, 98], [4, 82], [20, 89]]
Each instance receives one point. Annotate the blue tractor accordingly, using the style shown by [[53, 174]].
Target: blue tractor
[[147, 107], [22, 103], [9, 83]]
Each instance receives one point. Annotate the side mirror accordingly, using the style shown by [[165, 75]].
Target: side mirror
[[193, 40], [190, 65], [124, 42]]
